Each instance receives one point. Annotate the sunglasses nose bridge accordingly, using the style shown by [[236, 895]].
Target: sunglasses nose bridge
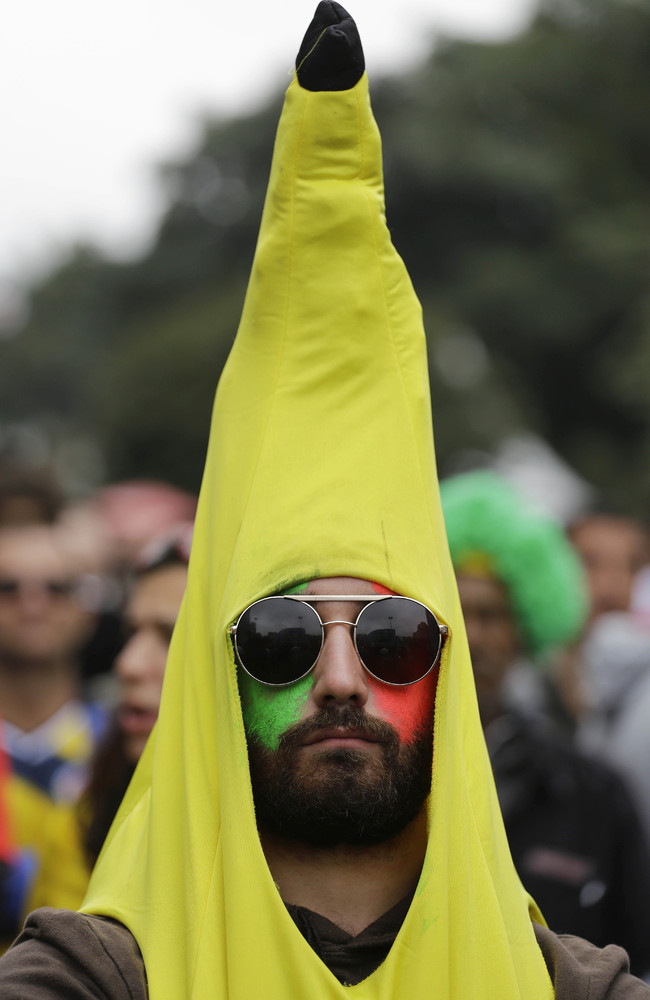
[[339, 674], [339, 621]]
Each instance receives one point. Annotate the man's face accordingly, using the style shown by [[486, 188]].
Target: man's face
[[338, 756], [41, 620], [612, 550], [492, 637], [150, 616]]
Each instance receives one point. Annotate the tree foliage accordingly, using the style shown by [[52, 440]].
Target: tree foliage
[[518, 192]]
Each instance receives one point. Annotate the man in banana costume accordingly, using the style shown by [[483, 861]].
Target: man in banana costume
[[367, 855]]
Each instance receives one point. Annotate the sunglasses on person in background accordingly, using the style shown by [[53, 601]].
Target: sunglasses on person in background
[[11, 588], [279, 639]]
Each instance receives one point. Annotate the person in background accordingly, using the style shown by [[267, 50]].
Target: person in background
[[154, 599], [613, 548], [574, 834], [151, 611], [616, 658], [28, 495], [612, 662], [16, 867], [136, 512], [49, 730], [108, 531]]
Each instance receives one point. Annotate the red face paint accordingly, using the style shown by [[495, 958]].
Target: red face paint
[[409, 708], [268, 712]]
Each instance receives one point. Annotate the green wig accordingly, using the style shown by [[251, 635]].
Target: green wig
[[490, 525]]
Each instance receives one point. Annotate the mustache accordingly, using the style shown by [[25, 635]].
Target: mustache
[[347, 717]]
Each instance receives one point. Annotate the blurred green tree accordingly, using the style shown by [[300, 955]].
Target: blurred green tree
[[518, 189]]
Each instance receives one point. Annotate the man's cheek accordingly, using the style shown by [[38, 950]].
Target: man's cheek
[[410, 708], [269, 711]]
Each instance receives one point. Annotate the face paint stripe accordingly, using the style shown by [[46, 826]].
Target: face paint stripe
[[408, 709], [269, 712]]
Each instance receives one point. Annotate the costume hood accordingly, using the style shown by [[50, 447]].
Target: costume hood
[[320, 463]]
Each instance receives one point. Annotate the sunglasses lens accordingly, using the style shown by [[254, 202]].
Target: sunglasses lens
[[278, 640], [398, 640]]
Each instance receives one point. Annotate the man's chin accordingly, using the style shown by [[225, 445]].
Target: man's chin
[[340, 795], [316, 770], [353, 754]]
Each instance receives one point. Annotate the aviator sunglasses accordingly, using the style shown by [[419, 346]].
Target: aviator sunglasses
[[279, 639]]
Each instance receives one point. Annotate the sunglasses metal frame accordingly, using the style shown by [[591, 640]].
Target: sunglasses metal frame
[[364, 599]]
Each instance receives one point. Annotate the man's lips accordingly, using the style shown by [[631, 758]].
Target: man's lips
[[341, 735], [136, 720]]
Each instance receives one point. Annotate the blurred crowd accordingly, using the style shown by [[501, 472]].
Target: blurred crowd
[[559, 635], [89, 594], [558, 624]]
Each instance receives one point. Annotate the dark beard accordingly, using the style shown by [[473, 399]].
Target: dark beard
[[343, 795]]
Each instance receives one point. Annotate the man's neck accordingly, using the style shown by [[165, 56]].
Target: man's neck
[[351, 886], [30, 693]]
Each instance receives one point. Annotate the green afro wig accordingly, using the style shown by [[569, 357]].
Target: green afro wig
[[489, 524]]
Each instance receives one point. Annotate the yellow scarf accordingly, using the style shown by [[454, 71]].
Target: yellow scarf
[[320, 463]]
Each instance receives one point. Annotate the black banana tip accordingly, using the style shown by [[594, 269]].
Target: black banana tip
[[331, 56]]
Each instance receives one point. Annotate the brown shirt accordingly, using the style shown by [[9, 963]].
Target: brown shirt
[[63, 955], [350, 957]]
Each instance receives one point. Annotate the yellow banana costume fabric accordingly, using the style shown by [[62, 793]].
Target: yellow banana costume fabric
[[320, 463]]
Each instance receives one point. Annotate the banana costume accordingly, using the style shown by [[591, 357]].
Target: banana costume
[[320, 463]]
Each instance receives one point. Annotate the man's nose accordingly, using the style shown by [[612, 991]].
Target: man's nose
[[133, 661], [339, 675]]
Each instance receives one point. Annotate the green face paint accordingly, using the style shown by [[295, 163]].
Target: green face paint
[[269, 711]]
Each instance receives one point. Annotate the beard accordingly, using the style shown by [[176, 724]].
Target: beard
[[340, 796]]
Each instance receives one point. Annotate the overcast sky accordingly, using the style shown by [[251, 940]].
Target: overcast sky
[[95, 94]]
